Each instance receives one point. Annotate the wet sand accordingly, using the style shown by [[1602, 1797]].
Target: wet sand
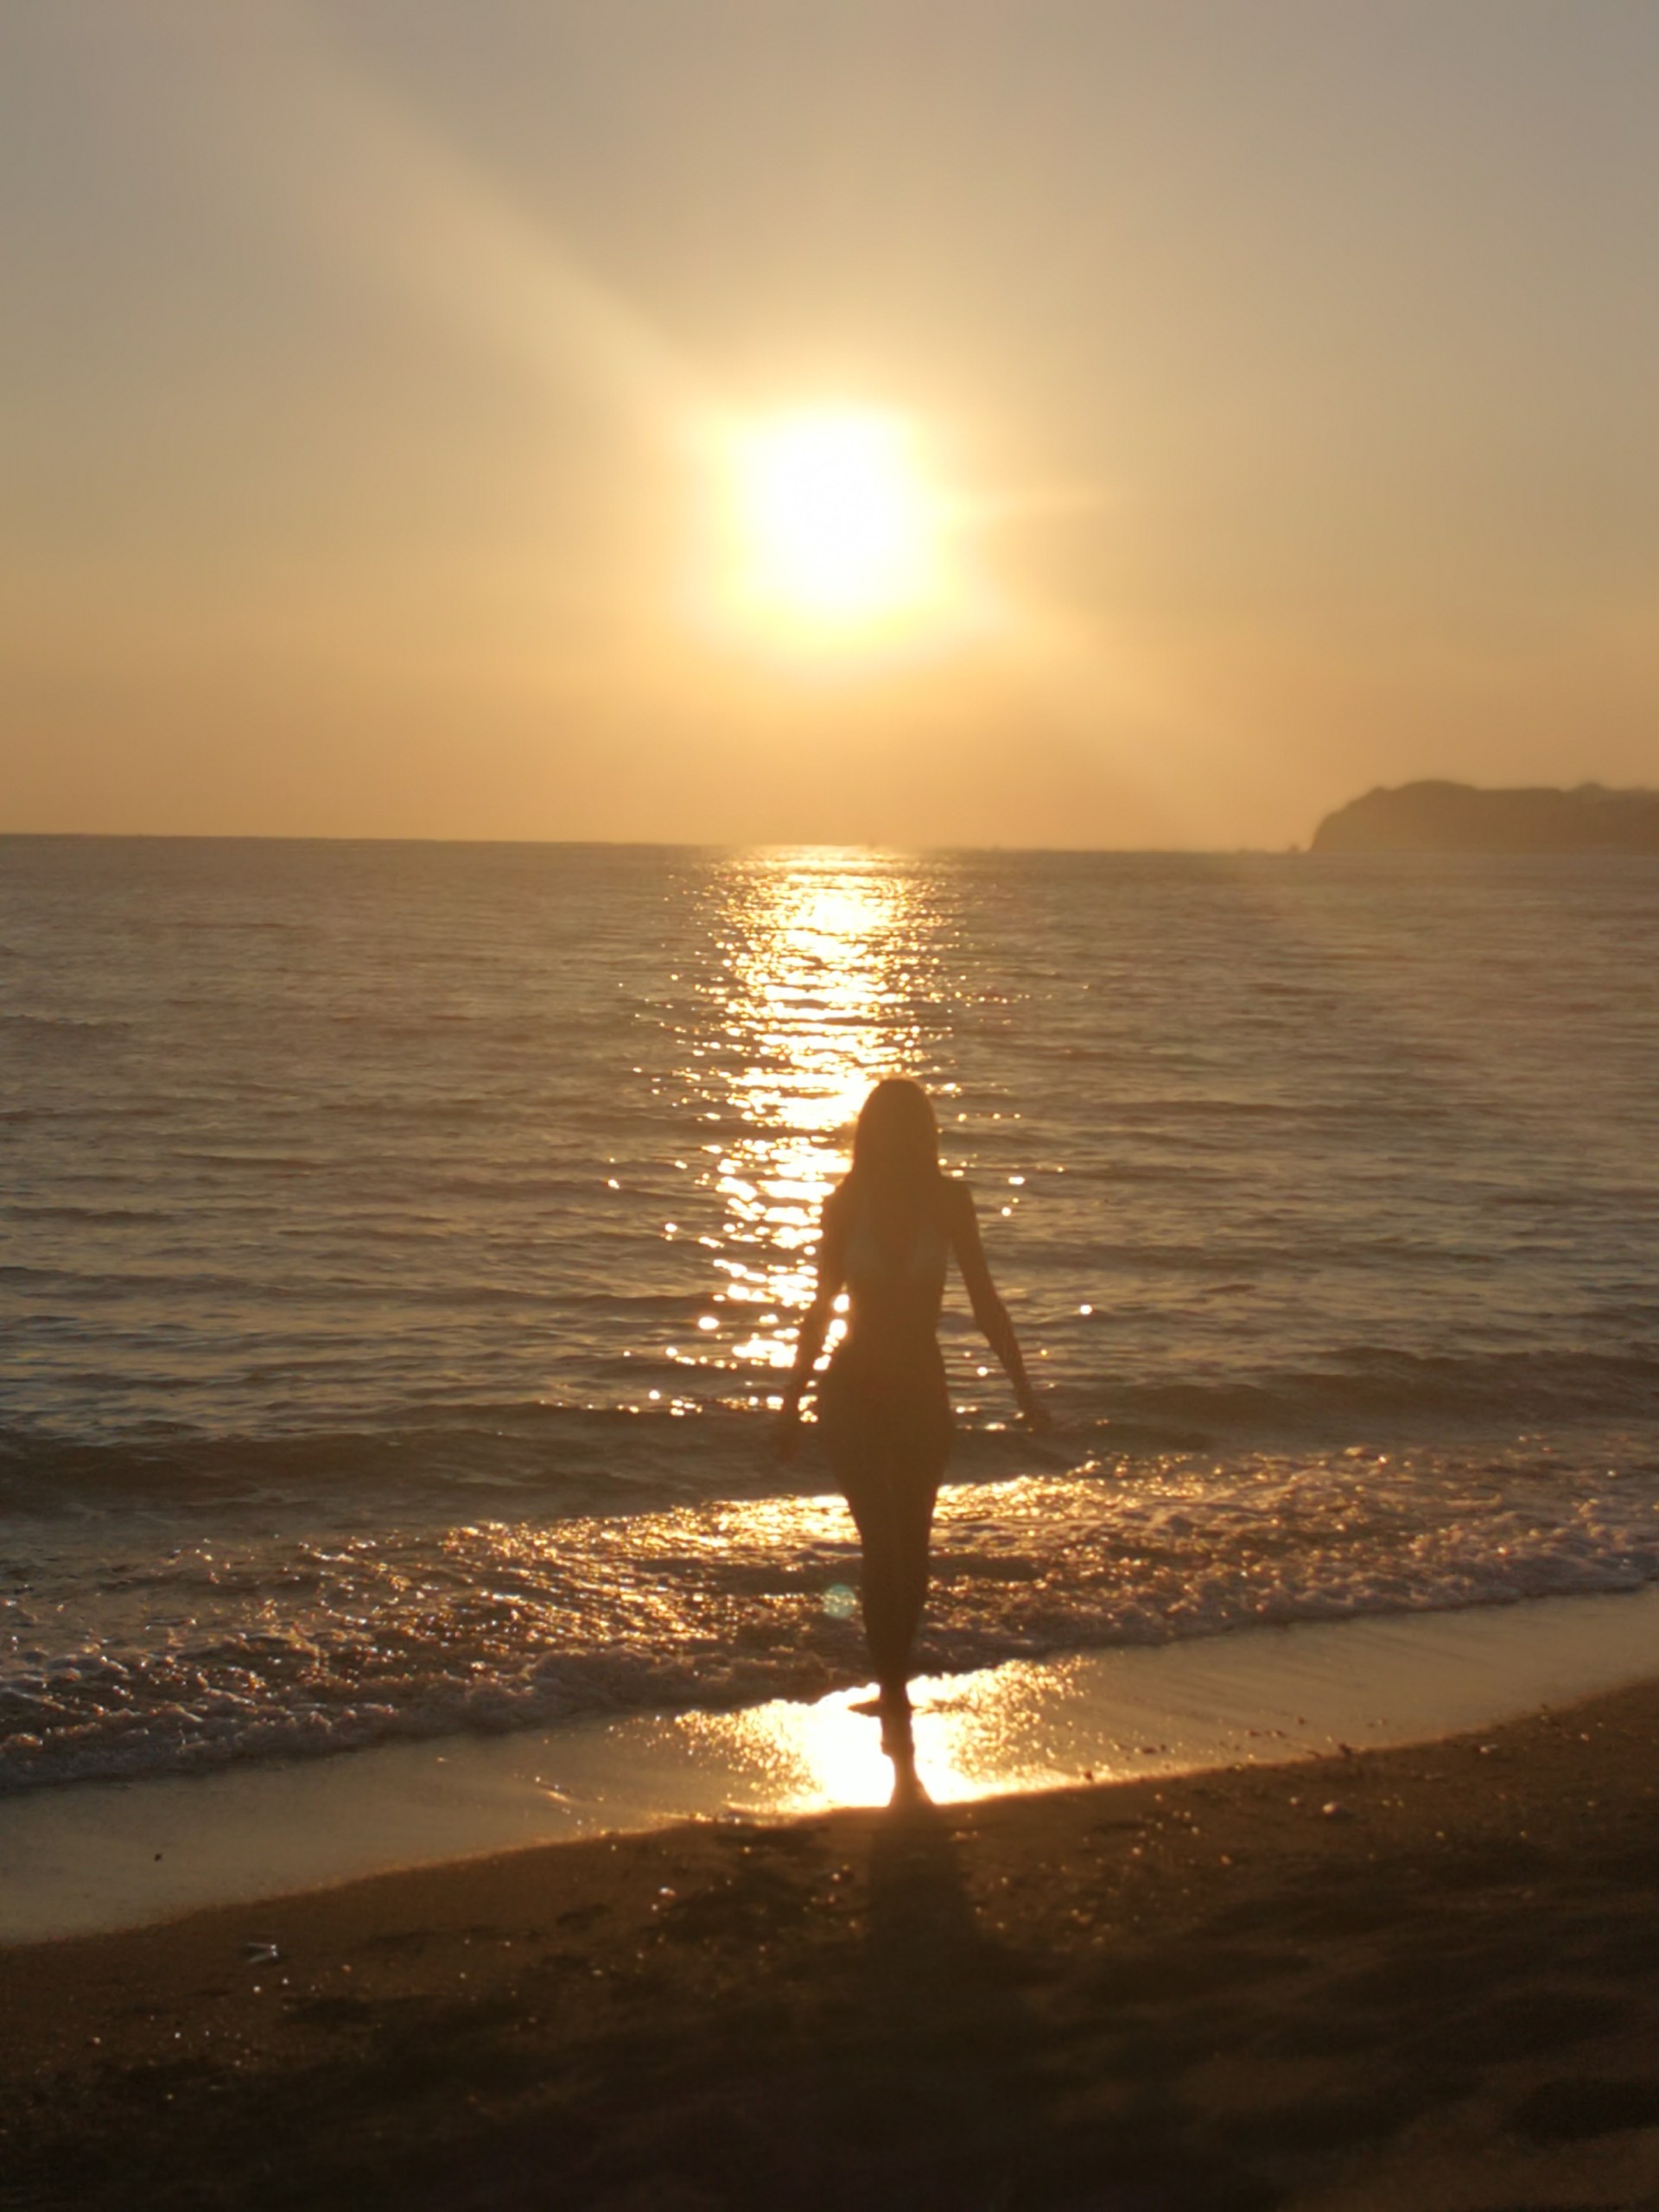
[[1426, 1977], [110, 1854]]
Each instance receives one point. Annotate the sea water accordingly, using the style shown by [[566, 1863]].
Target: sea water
[[401, 1246]]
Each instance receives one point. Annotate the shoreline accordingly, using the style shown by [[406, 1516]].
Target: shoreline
[[1419, 1976], [97, 1857]]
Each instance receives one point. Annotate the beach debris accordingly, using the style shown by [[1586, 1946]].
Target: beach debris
[[1332, 1810], [257, 1953]]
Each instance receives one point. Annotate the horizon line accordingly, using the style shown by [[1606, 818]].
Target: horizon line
[[611, 844]]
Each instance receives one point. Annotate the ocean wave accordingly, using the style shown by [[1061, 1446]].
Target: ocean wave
[[64, 1025], [224, 1649], [1380, 1389], [562, 1455], [706, 1435]]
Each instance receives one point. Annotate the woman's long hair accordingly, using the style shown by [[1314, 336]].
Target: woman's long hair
[[896, 1157]]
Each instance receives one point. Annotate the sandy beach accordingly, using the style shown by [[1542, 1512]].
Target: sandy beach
[[1423, 1976]]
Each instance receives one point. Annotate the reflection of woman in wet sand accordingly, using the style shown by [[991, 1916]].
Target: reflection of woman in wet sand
[[888, 1231]]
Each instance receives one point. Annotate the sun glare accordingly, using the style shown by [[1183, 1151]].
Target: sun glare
[[837, 528]]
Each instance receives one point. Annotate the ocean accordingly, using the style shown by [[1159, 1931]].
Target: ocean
[[400, 1246]]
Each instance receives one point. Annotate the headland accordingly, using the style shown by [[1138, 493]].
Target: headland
[[1448, 817]]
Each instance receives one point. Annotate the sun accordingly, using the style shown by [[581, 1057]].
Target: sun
[[838, 530]]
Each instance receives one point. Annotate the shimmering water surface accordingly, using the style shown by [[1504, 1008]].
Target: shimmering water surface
[[402, 1245]]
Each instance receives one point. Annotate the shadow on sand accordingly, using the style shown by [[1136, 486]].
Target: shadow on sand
[[967, 2092]]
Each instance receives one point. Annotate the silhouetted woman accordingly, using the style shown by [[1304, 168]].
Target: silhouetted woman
[[888, 1231]]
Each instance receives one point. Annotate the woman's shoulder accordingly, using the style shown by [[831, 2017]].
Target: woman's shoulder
[[839, 1203]]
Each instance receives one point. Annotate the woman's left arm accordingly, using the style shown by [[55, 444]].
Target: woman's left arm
[[989, 1312]]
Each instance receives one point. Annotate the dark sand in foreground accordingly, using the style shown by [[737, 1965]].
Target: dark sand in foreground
[[1423, 1978]]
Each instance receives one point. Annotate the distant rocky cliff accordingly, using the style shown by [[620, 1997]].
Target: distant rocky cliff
[[1435, 817]]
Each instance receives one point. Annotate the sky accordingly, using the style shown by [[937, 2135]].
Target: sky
[[1272, 379]]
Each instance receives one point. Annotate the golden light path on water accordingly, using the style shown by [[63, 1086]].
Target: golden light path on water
[[824, 981], [817, 1002]]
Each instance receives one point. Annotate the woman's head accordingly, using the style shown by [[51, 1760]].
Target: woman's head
[[896, 1140]]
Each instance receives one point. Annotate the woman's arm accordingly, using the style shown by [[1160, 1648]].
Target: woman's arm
[[815, 1322], [989, 1312]]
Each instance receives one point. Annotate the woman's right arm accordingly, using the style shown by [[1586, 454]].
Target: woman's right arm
[[815, 1322]]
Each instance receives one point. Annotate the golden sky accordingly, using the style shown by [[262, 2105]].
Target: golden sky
[[1052, 421]]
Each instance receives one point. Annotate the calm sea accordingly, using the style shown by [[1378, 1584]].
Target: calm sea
[[401, 1245]]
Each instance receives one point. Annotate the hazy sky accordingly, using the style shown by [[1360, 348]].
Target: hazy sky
[[1287, 373]]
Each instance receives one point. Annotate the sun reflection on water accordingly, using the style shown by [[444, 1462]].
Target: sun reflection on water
[[821, 990], [979, 1737]]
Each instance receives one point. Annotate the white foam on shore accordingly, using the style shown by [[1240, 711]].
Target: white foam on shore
[[104, 1855], [148, 1655]]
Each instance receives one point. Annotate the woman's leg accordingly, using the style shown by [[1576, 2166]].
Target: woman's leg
[[894, 1513], [887, 1444]]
